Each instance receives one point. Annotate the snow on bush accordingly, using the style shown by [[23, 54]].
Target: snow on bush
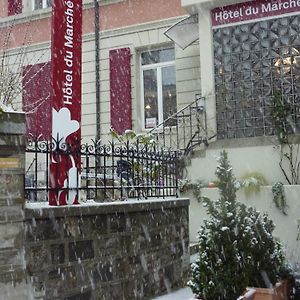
[[236, 245]]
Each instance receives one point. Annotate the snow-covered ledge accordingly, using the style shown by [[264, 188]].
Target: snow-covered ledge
[[42, 209]]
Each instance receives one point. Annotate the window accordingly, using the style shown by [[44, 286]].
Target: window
[[40, 4], [158, 87], [252, 63]]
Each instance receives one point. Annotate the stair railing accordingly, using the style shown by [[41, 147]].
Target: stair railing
[[185, 129]]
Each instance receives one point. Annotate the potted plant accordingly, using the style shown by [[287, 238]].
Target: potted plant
[[252, 182]]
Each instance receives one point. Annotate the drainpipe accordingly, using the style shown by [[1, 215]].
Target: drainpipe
[[97, 67]]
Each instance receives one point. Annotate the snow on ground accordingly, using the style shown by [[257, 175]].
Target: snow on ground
[[183, 294]]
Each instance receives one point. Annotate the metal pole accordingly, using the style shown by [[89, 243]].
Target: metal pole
[[97, 78], [97, 67]]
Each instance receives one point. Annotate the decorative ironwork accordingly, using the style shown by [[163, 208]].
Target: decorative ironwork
[[190, 128], [108, 172], [252, 62]]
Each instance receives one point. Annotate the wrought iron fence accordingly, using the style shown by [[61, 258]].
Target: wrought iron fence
[[108, 172]]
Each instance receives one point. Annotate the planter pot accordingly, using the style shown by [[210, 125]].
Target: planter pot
[[279, 292]]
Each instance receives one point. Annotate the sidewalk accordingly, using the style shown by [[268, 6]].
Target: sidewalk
[[182, 294]]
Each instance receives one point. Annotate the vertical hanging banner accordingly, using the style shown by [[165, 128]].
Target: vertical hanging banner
[[66, 59]]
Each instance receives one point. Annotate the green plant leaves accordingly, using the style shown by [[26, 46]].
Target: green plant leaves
[[279, 197]]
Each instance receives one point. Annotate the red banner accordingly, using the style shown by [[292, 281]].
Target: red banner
[[253, 10], [66, 101]]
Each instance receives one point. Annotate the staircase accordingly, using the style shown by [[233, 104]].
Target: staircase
[[185, 129]]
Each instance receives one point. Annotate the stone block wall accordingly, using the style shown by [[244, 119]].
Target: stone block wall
[[13, 284], [126, 250], [130, 250]]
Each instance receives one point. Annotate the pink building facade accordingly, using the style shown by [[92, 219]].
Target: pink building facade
[[127, 29]]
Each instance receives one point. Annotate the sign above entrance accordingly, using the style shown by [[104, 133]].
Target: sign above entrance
[[253, 10]]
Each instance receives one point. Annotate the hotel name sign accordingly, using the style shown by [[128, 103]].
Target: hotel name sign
[[253, 10]]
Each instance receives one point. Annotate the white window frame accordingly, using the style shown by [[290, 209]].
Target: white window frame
[[44, 5], [158, 67]]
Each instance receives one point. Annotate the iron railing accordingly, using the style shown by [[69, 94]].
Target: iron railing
[[185, 129], [108, 172]]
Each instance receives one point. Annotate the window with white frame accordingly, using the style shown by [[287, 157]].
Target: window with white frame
[[40, 4], [158, 87]]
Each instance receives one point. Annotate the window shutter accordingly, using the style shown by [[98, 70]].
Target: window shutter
[[37, 100], [14, 7], [120, 90]]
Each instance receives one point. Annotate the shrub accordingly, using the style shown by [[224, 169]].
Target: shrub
[[236, 245], [251, 183]]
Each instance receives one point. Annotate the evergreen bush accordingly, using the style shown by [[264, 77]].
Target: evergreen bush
[[236, 245]]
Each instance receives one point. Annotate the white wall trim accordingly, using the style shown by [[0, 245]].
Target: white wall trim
[[134, 28], [207, 75], [105, 34]]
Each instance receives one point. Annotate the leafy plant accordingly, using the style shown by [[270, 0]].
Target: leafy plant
[[195, 187], [235, 245], [131, 137], [12, 63], [251, 183], [279, 197], [280, 113], [134, 169], [283, 127]]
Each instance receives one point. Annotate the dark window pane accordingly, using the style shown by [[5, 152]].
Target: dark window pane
[[169, 93], [157, 56], [150, 98]]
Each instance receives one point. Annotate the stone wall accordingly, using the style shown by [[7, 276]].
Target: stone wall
[[129, 250], [13, 285], [126, 250]]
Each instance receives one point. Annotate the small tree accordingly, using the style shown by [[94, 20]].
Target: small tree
[[236, 245], [13, 63]]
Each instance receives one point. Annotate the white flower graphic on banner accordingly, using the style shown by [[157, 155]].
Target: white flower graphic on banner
[[62, 125], [74, 182]]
